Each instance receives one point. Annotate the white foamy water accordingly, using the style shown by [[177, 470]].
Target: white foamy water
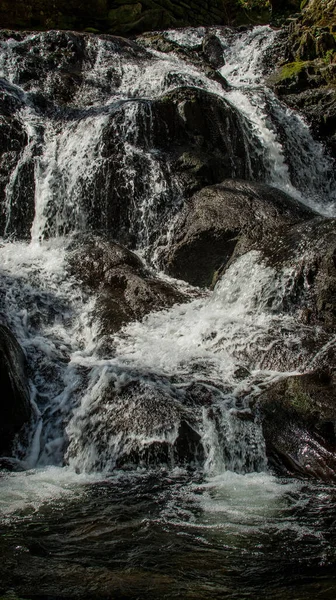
[[231, 322], [298, 166], [22, 494]]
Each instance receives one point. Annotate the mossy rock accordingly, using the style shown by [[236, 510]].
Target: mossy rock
[[126, 13], [298, 417]]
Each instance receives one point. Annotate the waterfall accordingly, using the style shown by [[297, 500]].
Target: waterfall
[[100, 144]]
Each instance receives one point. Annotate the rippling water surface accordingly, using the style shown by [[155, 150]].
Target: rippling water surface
[[167, 534]]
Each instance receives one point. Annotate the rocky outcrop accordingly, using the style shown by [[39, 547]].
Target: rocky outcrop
[[306, 80], [298, 418], [223, 221], [16, 409], [125, 289], [196, 135]]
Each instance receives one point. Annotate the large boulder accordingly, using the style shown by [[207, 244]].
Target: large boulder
[[131, 418], [225, 220], [126, 290], [196, 135], [16, 409], [131, 424], [298, 417]]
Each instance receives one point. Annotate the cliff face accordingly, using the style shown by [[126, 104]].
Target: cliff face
[[125, 17]]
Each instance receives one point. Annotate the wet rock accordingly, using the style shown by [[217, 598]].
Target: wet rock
[[16, 409], [213, 51], [125, 288], [318, 105], [191, 133], [19, 216], [137, 423], [207, 56], [311, 246], [298, 418], [225, 220], [306, 81]]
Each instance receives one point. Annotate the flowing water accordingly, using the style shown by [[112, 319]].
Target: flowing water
[[103, 505]]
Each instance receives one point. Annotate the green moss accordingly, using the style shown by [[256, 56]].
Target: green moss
[[303, 4], [290, 70]]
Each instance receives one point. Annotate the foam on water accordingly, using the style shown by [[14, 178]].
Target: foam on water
[[216, 330], [22, 494]]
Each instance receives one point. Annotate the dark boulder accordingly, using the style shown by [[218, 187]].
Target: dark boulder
[[225, 220], [137, 423], [16, 409], [298, 417], [126, 290], [190, 132], [311, 247], [213, 50]]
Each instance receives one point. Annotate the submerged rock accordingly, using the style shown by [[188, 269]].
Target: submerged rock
[[225, 220], [298, 418], [16, 409], [126, 290]]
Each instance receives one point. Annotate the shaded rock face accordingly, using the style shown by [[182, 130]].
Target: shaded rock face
[[224, 220], [128, 17], [298, 418], [125, 289], [16, 409]]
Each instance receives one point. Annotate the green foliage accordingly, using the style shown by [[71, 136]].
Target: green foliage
[[254, 5], [329, 56]]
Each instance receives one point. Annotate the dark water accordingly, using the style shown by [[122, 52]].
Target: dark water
[[173, 535]]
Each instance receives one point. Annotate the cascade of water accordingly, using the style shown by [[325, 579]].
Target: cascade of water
[[97, 167], [295, 162]]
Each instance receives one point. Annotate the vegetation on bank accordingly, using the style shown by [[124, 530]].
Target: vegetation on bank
[[128, 17]]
